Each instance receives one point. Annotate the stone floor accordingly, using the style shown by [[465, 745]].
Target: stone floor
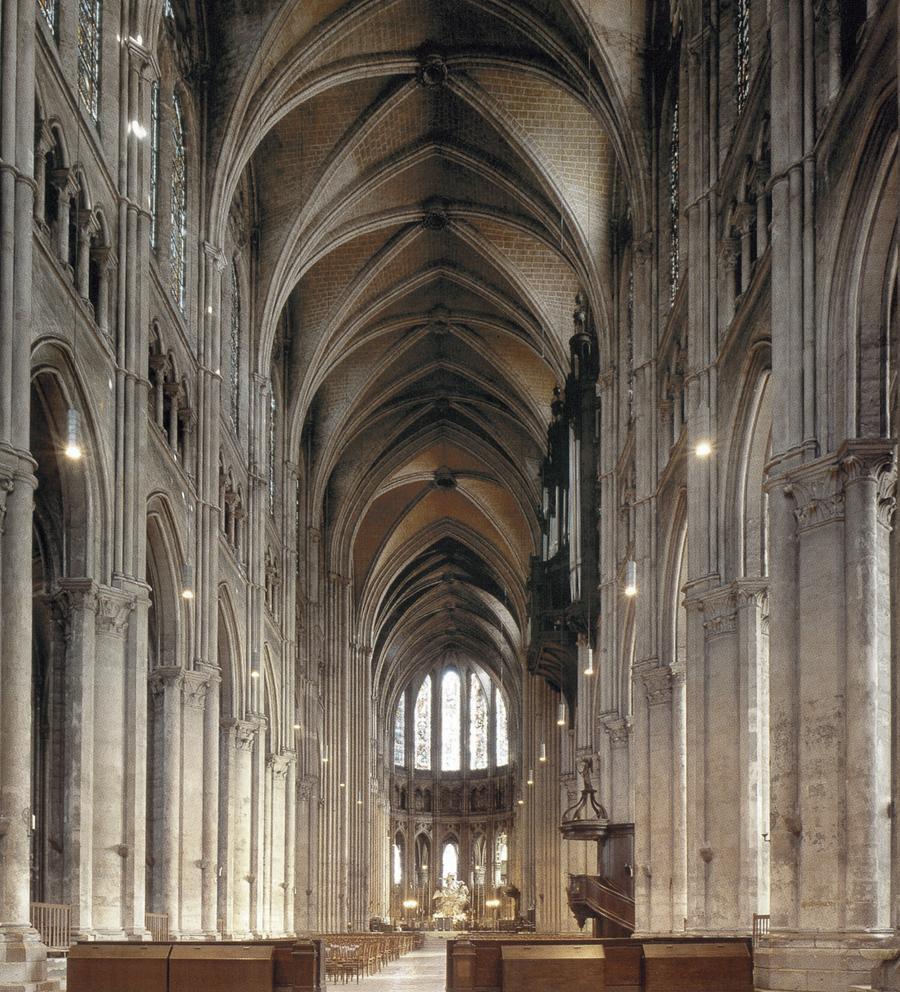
[[418, 971]]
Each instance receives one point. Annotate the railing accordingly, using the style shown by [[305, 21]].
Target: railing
[[53, 923], [603, 898], [158, 925], [760, 927]]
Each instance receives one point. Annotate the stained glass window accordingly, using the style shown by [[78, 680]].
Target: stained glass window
[[178, 254], [478, 723], [235, 345], [272, 412], [451, 694], [673, 205], [167, 9], [48, 9], [630, 317], [423, 725], [742, 54], [89, 55], [400, 733], [502, 728], [154, 163]]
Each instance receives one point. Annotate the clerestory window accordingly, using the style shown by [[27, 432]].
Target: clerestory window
[[89, 56], [178, 252], [459, 709]]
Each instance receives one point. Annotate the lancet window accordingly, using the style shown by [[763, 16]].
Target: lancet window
[[178, 253], [400, 732], [423, 725], [235, 349], [272, 413], [742, 53], [89, 55], [463, 711], [673, 204], [154, 164]]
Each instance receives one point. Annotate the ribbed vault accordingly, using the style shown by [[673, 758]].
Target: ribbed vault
[[434, 186]]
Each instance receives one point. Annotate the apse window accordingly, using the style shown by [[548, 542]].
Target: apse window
[[465, 716]]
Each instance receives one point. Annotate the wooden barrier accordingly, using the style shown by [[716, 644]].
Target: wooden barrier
[[52, 922], [193, 966], [625, 963]]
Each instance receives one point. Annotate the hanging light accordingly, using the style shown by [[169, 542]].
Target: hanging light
[[704, 449], [324, 754], [254, 683], [521, 799], [543, 756], [589, 668], [530, 777], [630, 578], [73, 434], [296, 718], [187, 582], [359, 797], [561, 715]]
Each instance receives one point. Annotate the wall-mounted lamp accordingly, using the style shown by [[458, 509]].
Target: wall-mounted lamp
[[630, 578], [187, 582], [73, 434]]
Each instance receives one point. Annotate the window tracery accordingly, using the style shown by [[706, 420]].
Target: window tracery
[[178, 256], [673, 205], [470, 717], [451, 712], [400, 732], [272, 413], [742, 54], [423, 725], [478, 723], [235, 345], [154, 164], [89, 56]]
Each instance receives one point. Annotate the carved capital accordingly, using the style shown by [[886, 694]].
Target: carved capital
[[279, 764], [742, 216], [66, 181], [752, 592], [163, 678], [658, 685], [817, 494], [875, 462], [113, 611], [729, 253], [619, 731], [71, 596], [719, 625], [195, 687]]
